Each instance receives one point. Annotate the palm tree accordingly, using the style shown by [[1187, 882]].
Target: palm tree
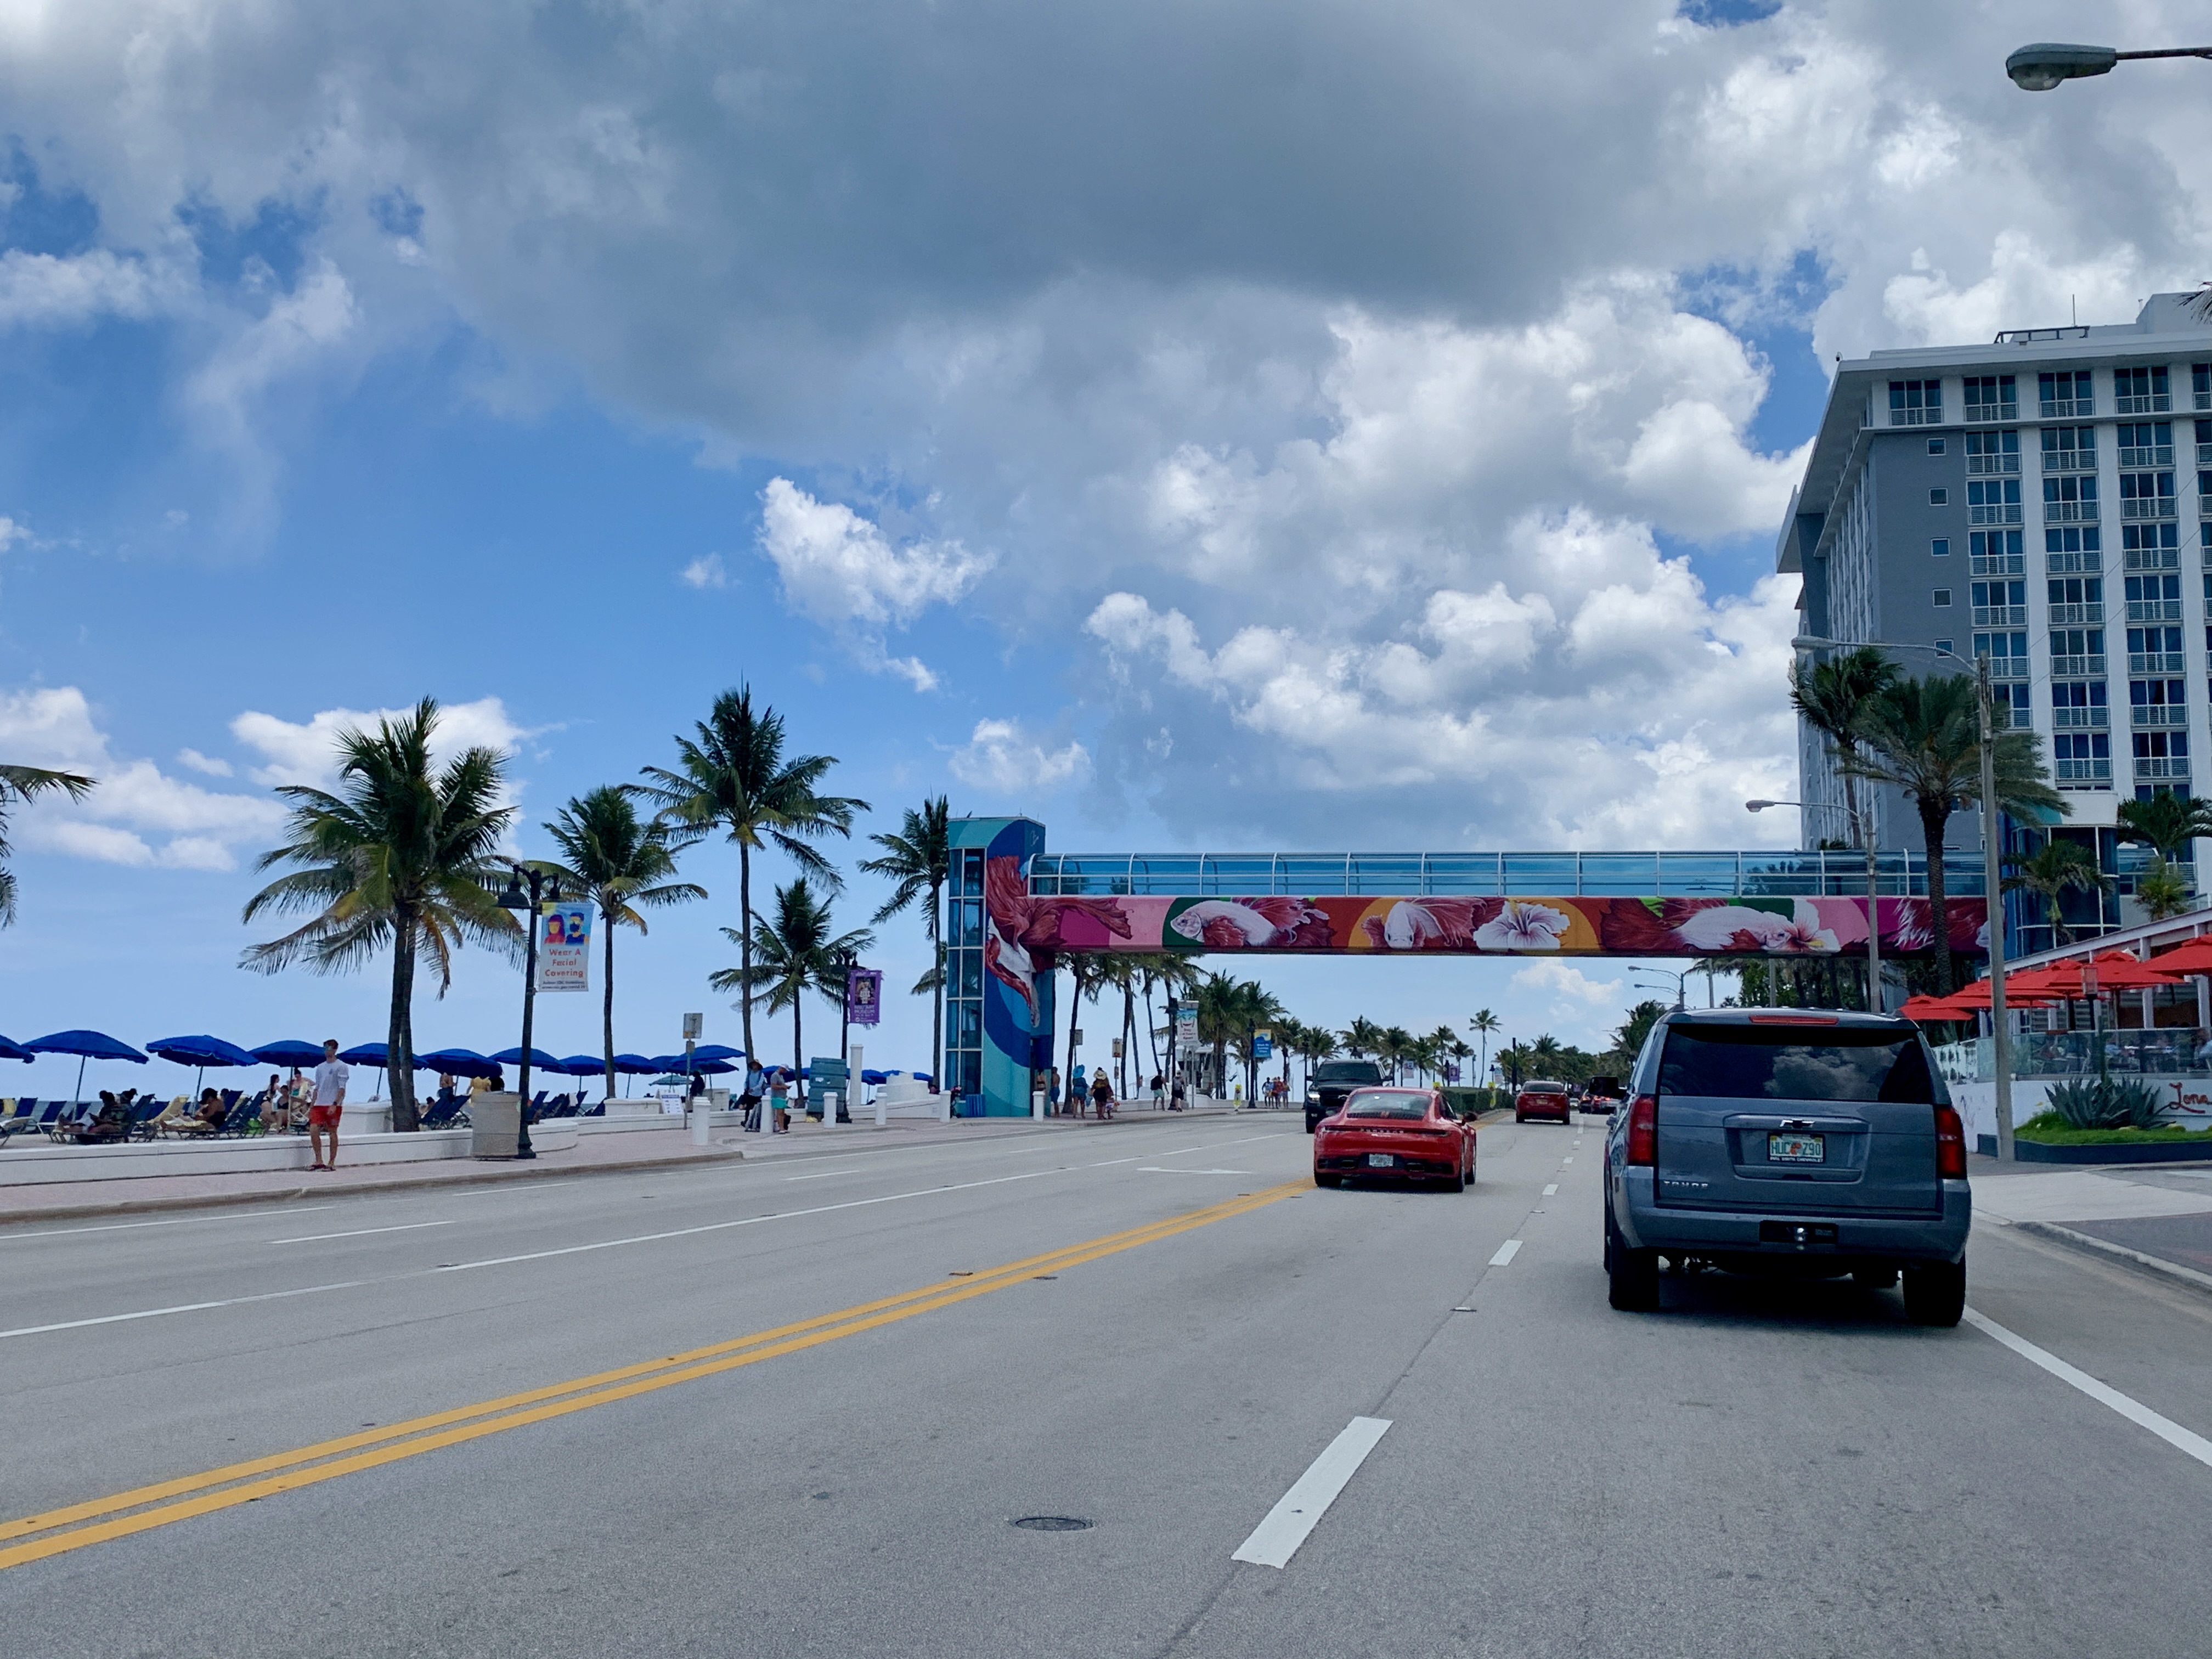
[[1923, 736], [1363, 1037], [2054, 869], [1515, 1058], [1255, 1006], [1628, 1040], [2163, 889], [1544, 1052], [1483, 1025], [793, 952], [919, 857], [734, 776], [1834, 697], [19, 784], [1220, 1014], [404, 856], [2167, 823], [621, 863], [1396, 1046], [1175, 974]]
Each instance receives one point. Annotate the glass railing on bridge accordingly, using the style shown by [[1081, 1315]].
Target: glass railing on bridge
[[1765, 873]]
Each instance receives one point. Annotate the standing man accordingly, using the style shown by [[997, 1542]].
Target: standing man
[[329, 1101]]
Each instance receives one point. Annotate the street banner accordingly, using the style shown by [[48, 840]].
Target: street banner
[[1187, 1025], [564, 946], [1263, 1045], [864, 996]]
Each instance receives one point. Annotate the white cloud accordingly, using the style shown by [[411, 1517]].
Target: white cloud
[[11, 533], [307, 752], [42, 290], [1004, 757], [135, 800], [705, 572], [1567, 985], [207, 763]]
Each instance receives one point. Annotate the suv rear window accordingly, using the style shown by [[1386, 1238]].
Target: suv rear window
[[1347, 1071], [1749, 1062]]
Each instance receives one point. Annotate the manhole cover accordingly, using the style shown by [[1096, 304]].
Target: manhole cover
[[1052, 1523]]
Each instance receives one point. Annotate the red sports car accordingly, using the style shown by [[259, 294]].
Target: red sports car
[[1543, 1100], [1406, 1134]]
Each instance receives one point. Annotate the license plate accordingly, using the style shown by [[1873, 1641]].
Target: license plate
[[1380, 1160], [1796, 1149]]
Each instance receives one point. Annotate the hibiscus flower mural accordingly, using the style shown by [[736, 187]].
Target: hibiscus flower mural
[[1522, 925]]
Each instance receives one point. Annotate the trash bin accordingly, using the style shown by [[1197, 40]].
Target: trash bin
[[495, 1125]]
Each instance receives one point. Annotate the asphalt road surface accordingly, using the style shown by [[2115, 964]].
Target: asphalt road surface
[[794, 1408]]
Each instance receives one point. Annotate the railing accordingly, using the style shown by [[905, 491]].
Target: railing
[[2153, 558], [2003, 513], [1981, 413], [1998, 564], [1623, 875], [2137, 508], [2169, 1051], [2082, 772], [2154, 662], [2002, 615], [2010, 668], [2070, 513], [2147, 716], [2157, 403], [1917, 416], [2067, 564], [2078, 668], [2081, 720], [2075, 614], [1987, 464], [2069, 460], [2154, 610], [2151, 455], [2066, 408], [2149, 771]]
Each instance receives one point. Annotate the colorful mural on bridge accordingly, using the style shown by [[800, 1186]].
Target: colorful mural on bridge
[[1025, 928]]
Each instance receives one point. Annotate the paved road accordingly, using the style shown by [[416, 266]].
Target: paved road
[[1756, 1470]]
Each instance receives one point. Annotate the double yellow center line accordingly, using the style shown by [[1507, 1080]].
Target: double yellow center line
[[74, 1527]]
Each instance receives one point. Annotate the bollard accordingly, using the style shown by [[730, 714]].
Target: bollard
[[1036, 1104], [698, 1127], [943, 1106], [883, 1114]]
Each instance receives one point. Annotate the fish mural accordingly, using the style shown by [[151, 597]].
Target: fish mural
[[1026, 930]]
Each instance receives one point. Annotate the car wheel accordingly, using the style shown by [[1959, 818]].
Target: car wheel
[[1611, 1243], [1633, 1283], [1936, 1294], [1519, 1117], [1874, 1279], [1321, 1180]]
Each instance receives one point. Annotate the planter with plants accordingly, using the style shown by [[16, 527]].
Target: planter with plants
[[2107, 1120]]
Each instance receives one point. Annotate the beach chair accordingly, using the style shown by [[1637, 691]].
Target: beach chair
[[143, 1117], [27, 1117], [110, 1124], [73, 1113]]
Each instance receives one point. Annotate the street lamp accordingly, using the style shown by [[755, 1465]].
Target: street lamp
[[2041, 67], [1863, 826], [1680, 980], [1992, 882], [543, 889]]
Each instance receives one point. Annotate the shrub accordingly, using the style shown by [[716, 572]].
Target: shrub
[[2106, 1104]]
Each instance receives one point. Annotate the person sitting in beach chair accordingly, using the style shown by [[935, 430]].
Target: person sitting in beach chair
[[111, 1122]]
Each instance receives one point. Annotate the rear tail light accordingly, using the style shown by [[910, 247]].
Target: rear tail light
[[1950, 1145], [1643, 1130], [1795, 1020]]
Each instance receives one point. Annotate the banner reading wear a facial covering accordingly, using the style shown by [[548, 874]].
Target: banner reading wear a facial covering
[[864, 996], [564, 946]]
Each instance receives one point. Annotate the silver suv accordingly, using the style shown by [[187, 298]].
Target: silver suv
[[1789, 1142]]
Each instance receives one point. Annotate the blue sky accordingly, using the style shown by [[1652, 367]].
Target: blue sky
[[1290, 428]]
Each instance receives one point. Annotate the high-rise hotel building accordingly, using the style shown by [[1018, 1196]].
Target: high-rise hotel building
[[2046, 500]]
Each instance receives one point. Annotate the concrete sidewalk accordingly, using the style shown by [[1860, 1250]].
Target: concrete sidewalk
[[602, 1154], [2156, 1216]]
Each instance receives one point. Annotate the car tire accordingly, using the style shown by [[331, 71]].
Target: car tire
[[1936, 1293], [1519, 1118], [1874, 1279], [1321, 1180], [1610, 1238], [1632, 1281]]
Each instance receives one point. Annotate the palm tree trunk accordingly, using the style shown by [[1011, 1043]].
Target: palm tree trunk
[[937, 1002], [1074, 1009], [1932, 816], [745, 942], [399, 1034], [1128, 1032], [797, 1048], [607, 1006]]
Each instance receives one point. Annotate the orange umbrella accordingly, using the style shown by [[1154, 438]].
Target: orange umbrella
[[1976, 996], [1924, 1008], [2194, 958]]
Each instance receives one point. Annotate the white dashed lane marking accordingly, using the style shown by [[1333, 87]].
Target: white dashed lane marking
[[1276, 1539], [1551, 1189], [1506, 1252]]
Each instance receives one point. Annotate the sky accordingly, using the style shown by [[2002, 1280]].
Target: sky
[[1214, 425]]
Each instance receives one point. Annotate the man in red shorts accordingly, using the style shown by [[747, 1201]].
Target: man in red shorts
[[329, 1101]]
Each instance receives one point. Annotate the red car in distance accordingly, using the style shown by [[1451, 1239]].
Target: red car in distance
[[1395, 1133], [1543, 1100]]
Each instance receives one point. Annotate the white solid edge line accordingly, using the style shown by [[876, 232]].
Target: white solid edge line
[[1552, 1190], [1277, 1538], [363, 1232], [2134, 1411], [185, 1307], [1506, 1252], [246, 1213]]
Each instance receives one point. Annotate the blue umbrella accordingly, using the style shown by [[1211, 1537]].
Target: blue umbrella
[[582, 1065], [85, 1045], [869, 1075], [369, 1053], [289, 1052], [200, 1053], [540, 1059], [717, 1051], [14, 1051], [458, 1062], [634, 1066]]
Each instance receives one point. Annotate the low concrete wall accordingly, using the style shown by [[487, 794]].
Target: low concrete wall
[[26, 1166], [2190, 1099]]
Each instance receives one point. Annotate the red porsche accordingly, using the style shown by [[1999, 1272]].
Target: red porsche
[[1394, 1134]]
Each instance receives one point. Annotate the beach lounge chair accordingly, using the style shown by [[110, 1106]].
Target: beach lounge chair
[[27, 1117]]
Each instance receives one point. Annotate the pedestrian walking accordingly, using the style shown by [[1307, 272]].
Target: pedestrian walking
[[1159, 1093], [1102, 1094], [327, 1105], [750, 1099], [779, 1100]]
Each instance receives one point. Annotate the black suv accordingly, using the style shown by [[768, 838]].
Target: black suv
[[1331, 1081]]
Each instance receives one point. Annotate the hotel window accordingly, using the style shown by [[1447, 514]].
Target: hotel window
[[1942, 598], [1939, 498], [2077, 600], [2010, 704], [1996, 500], [2161, 756], [2069, 500], [1915, 403], [2008, 653], [2082, 759], [1998, 604], [1992, 398], [2140, 391], [1941, 547], [2200, 381], [2154, 651], [2150, 546], [2070, 449], [2145, 443], [2073, 549], [2079, 706], [1935, 446], [1991, 452], [2153, 598], [2064, 394], [2075, 653], [1994, 553]]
